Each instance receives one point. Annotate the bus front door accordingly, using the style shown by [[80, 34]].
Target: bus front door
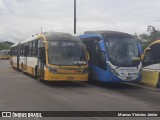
[[41, 62], [18, 57], [17, 60]]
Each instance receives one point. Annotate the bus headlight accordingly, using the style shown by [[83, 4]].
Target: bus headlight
[[113, 71], [52, 70], [140, 72]]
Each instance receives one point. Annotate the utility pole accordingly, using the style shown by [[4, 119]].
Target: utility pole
[[75, 19]]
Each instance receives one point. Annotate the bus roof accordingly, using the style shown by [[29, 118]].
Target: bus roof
[[53, 36], [50, 36], [16, 44], [30, 39], [109, 33], [60, 36], [155, 42]]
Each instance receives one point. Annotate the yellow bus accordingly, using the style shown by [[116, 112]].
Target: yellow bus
[[151, 55], [4, 54], [52, 56]]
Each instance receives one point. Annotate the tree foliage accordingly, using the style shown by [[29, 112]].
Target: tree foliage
[[5, 45], [152, 34]]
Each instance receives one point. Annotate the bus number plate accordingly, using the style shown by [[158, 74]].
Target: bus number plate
[[70, 78]]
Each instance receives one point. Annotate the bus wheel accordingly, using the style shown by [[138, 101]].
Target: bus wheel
[[36, 72], [22, 68], [11, 63], [37, 76], [39, 79]]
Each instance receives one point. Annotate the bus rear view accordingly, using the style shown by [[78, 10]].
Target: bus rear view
[[114, 56]]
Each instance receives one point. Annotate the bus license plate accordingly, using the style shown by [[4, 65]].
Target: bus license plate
[[70, 78], [128, 78]]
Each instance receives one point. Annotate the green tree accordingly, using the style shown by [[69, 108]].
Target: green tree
[[5, 45], [152, 35], [144, 37]]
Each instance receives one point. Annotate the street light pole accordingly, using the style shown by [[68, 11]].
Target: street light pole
[[75, 17]]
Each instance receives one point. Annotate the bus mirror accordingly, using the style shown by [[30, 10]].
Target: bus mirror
[[88, 57], [142, 57], [46, 44], [26, 52], [148, 49], [140, 47]]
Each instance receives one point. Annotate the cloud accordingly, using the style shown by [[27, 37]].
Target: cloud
[[3, 9], [22, 18]]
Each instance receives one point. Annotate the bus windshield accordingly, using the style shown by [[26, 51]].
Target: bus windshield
[[68, 53], [123, 52]]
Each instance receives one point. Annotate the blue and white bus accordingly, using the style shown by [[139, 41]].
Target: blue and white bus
[[114, 56]]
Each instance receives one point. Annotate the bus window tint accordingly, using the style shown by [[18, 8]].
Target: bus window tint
[[155, 54], [66, 53], [123, 51]]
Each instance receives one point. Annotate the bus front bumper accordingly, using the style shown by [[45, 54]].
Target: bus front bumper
[[48, 76]]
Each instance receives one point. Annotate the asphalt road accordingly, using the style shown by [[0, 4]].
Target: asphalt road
[[19, 92]]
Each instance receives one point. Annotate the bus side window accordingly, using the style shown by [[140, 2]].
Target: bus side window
[[92, 49], [24, 49], [26, 52], [89, 42], [10, 52], [30, 49], [42, 53], [34, 49], [102, 60], [147, 56], [155, 54], [95, 54], [99, 57], [88, 47]]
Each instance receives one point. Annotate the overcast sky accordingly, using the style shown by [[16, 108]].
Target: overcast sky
[[20, 19]]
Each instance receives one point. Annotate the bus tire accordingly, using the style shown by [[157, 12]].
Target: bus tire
[[11, 63], [22, 68], [36, 72], [39, 79]]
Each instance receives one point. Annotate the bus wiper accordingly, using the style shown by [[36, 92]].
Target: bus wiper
[[78, 64]]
